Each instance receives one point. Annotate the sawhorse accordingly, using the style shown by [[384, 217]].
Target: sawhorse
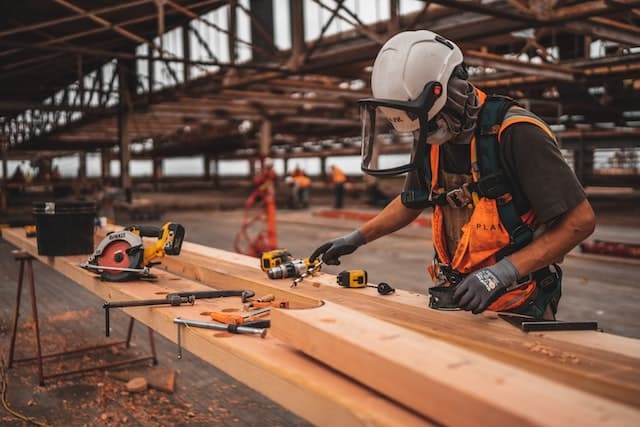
[[25, 260]]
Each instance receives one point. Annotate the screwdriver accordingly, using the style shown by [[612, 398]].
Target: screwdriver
[[237, 319]]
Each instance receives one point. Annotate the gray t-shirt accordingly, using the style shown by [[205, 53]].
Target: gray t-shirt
[[541, 178]]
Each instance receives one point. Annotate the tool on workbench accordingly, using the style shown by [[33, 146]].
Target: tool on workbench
[[274, 258], [531, 324], [441, 298], [174, 299], [30, 230], [121, 256], [291, 268], [237, 319], [258, 327], [252, 305], [358, 279], [312, 269]]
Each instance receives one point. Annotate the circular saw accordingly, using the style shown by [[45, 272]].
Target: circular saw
[[121, 256]]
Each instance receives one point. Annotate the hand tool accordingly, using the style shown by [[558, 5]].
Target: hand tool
[[358, 279], [266, 298], [174, 299], [256, 328], [291, 268], [315, 267], [441, 298], [530, 324], [121, 256], [252, 305], [274, 258], [236, 319]]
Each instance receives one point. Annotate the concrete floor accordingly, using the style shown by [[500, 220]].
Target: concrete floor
[[599, 289]]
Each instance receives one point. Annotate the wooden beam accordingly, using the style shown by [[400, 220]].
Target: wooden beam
[[610, 373], [310, 389], [446, 383]]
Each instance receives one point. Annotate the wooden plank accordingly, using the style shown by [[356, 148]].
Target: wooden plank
[[452, 385], [272, 368], [611, 370]]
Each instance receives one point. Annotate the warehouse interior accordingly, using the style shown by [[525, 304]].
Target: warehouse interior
[[165, 111]]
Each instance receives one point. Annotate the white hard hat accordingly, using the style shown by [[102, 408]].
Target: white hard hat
[[409, 61]]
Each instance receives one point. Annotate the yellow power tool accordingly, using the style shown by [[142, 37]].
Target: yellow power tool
[[274, 258], [121, 256]]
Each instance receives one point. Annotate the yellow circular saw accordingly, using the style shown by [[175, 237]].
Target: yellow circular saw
[[121, 256]]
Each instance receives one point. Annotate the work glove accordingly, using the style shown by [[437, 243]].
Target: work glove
[[334, 249], [479, 289]]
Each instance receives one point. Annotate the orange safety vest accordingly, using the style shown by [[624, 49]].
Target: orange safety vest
[[303, 181], [484, 235], [338, 176]]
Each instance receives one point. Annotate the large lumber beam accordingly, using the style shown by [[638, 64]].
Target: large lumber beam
[[452, 385], [583, 363], [305, 387]]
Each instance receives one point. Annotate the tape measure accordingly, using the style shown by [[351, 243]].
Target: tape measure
[[358, 279]]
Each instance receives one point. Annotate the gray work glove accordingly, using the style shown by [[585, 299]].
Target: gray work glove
[[334, 249], [482, 287]]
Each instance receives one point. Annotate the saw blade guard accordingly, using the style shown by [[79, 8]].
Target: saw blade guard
[[118, 249]]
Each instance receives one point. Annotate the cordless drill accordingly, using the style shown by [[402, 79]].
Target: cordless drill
[[292, 268]]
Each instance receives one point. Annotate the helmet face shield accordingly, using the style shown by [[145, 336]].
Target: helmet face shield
[[395, 126], [379, 134]]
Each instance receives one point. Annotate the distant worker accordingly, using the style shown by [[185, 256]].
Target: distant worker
[[338, 179], [301, 188], [506, 205]]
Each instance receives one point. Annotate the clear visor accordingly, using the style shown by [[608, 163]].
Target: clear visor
[[387, 139]]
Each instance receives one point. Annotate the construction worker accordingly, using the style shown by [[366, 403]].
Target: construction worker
[[338, 179], [301, 188], [506, 205]]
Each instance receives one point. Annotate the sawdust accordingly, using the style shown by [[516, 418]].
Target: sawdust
[[565, 357], [71, 315]]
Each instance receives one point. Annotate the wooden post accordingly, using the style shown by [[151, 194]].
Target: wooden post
[[265, 138], [105, 160], [216, 175], [186, 53], [207, 167], [231, 39], [286, 166], [394, 20], [4, 145], [126, 89], [157, 172], [297, 33], [323, 168], [82, 166], [263, 11]]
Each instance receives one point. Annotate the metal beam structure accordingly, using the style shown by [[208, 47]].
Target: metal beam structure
[[533, 50]]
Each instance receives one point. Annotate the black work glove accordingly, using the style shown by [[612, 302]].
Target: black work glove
[[479, 289], [334, 249]]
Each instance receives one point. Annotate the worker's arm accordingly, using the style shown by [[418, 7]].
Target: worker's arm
[[392, 218], [479, 289], [571, 229]]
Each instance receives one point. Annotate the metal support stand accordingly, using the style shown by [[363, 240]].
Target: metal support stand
[[26, 259]]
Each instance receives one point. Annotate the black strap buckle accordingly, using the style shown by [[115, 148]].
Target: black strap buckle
[[453, 276], [491, 186], [458, 198]]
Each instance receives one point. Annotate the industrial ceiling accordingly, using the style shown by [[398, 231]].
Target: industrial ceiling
[[56, 98]]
